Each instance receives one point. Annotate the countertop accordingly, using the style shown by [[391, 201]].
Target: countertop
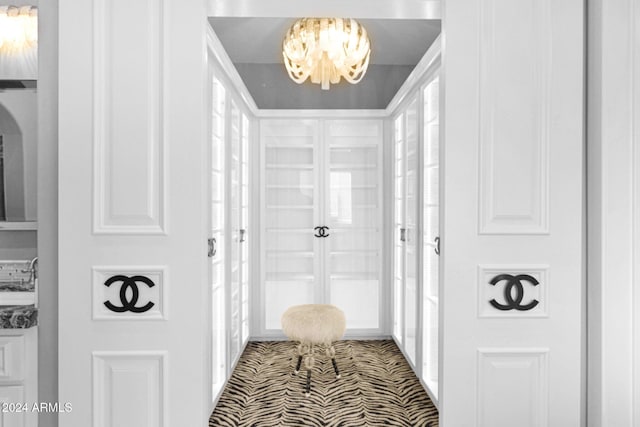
[[18, 316], [17, 286]]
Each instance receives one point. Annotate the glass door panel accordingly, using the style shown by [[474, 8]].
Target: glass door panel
[[398, 227], [234, 218], [431, 227], [244, 231], [411, 237], [217, 236], [352, 212], [290, 213]]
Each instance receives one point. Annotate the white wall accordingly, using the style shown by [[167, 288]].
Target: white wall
[[613, 212]]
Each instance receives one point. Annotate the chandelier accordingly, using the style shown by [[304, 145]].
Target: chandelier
[[326, 49]]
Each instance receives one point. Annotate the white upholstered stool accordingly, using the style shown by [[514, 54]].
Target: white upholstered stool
[[314, 325]]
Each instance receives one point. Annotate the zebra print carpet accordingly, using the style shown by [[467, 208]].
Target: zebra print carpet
[[377, 388]]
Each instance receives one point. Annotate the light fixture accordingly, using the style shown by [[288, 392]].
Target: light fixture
[[326, 49], [18, 43], [18, 28]]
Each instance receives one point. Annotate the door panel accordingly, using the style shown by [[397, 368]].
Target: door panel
[[411, 225], [352, 188], [431, 234], [399, 230], [245, 232], [217, 248], [290, 192], [234, 226], [516, 127], [132, 108]]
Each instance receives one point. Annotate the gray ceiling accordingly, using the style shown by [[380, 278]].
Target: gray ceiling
[[255, 47]]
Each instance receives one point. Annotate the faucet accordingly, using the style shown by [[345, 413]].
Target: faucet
[[33, 272]]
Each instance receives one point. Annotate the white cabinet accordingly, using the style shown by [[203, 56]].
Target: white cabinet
[[321, 219], [18, 378], [229, 136]]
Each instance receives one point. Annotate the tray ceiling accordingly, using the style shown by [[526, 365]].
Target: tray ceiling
[[254, 47]]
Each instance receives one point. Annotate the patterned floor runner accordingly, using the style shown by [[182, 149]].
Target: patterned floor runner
[[377, 388]]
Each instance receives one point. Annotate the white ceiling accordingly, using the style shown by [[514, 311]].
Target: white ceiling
[[255, 47]]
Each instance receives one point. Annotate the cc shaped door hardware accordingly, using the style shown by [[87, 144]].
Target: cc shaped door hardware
[[129, 300], [321, 231], [514, 283]]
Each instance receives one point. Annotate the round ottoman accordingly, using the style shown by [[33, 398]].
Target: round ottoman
[[314, 325]]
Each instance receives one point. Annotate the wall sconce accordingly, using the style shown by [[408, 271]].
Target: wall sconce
[[18, 42]]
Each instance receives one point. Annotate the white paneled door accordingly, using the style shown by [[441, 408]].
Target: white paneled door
[[512, 292], [133, 223]]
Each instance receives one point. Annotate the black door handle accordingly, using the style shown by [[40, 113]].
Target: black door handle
[[437, 248]]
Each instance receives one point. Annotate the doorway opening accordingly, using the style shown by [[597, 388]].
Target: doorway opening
[[360, 161]]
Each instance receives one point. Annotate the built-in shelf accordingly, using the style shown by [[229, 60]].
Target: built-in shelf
[[289, 186], [19, 226], [352, 145], [290, 230], [289, 254], [296, 146], [282, 276], [355, 276], [285, 207], [354, 187], [289, 166], [363, 252], [343, 166]]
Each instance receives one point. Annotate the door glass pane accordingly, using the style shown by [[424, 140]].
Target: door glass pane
[[431, 228], [235, 198], [353, 212], [245, 232], [289, 215], [281, 295], [411, 225], [217, 218], [398, 245]]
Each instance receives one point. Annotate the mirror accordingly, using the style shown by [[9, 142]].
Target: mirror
[[18, 151]]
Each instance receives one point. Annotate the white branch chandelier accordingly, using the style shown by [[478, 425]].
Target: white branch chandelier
[[326, 49]]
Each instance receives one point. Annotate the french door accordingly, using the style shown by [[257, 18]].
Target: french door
[[430, 234], [406, 230], [217, 248], [229, 216], [321, 219], [417, 230]]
